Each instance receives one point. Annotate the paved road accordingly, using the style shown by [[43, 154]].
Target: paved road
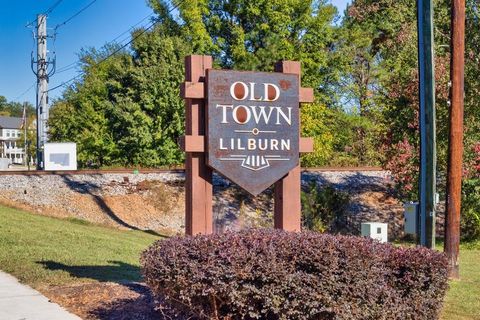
[[20, 302]]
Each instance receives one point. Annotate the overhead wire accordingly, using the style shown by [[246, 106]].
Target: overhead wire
[[119, 48], [107, 57], [67, 67], [72, 65], [131, 28], [47, 12], [24, 93], [74, 15]]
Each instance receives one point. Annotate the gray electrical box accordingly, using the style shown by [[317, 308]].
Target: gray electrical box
[[410, 214]]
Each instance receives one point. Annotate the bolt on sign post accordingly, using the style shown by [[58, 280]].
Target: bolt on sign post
[[246, 127]]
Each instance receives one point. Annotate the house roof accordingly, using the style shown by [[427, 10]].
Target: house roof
[[10, 122]]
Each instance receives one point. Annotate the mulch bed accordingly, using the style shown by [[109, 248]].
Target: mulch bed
[[106, 300]]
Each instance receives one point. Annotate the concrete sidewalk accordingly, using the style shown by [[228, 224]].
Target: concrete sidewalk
[[20, 302]]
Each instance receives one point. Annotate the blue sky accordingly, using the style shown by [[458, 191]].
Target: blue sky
[[100, 23]]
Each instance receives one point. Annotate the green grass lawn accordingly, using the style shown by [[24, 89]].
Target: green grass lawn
[[463, 297], [42, 251]]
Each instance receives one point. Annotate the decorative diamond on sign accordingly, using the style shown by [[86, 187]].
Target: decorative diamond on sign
[[253, 126]]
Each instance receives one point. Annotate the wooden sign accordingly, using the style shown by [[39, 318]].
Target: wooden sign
[[245, 126], [253, 126]]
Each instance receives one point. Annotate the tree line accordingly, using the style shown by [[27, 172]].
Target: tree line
[[126, 110]]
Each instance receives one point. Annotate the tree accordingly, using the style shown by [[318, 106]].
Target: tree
[[254, 34], [30, 138], [14, 109], [127, 109]]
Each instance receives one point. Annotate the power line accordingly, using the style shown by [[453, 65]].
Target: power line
[[73, 64], [75, 15], [25, 92], [47, 12], [118, 49], [107, 57], [53, 7], [131, 28]]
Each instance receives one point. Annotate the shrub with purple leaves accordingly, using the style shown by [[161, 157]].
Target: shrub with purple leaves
[[272, 274]]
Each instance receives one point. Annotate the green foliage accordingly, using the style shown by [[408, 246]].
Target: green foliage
[[127, 110], [324, 208], [254, 34], [379, 44], [313, 119], [14, 109], [340, 138], [357, 140], [470, 219], [30, 139]]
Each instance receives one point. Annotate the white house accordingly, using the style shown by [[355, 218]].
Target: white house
[[10, 132]]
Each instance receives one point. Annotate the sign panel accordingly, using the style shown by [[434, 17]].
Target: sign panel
[[253, 126]]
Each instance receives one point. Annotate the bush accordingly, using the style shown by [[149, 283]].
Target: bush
[[470, 220], [272, 274], [403, 164], [324, 208]]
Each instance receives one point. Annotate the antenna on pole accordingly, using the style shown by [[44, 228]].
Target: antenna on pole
[[45, 67]]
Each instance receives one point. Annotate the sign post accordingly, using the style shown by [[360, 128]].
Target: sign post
[[248, 130], [198, 191]]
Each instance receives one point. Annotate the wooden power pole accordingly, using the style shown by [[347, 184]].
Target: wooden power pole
[[428, 157], [455, 142]]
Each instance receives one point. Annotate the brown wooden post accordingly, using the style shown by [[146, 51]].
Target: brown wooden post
[[455, 147], [287, 206], [198, 193]]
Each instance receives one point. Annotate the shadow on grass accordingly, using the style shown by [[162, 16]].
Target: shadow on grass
[[118, 271]]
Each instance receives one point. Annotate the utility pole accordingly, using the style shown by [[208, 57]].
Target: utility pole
[[427, 124], [25, 148], [455, 138], [43, 75]]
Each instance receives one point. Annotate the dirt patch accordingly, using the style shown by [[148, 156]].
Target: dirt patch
[[106, 300], [146, 204], [377, 206]]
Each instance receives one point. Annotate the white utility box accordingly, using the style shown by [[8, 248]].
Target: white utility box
[[410, 214], [4, 163], [60, 156], [375, 230]]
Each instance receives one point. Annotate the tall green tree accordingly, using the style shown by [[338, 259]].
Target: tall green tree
[[13, 108], [254, 34], [126, 110]]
